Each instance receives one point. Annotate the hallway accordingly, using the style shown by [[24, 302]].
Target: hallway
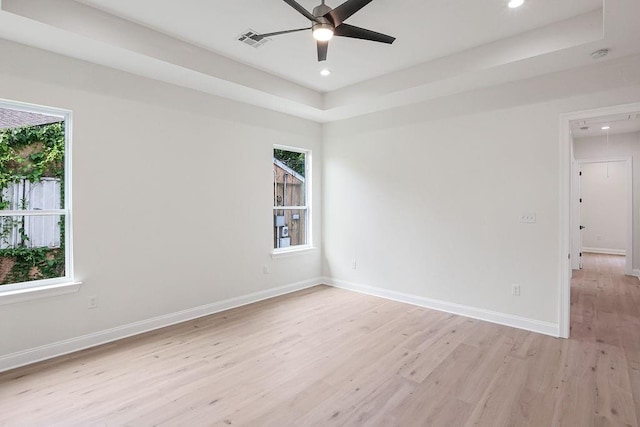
[[605, 304], [605, 319]]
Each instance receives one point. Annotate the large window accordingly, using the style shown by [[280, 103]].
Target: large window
[[34, 197], [291, 212]]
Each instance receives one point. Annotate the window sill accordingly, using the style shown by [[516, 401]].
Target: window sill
[[21, 295], [286, 253]]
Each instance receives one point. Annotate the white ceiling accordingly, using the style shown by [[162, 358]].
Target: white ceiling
[[443, 47], [618, 124], [425, 30]]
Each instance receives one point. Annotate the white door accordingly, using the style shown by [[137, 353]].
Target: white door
[[605, 208]]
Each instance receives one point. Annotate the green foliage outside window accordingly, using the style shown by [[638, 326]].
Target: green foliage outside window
[[31, 153], [292, 159]]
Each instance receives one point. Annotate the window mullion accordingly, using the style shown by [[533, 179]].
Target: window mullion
[[43, 212]]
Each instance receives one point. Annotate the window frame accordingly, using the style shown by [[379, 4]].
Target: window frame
[[307, 207], [17, 292]]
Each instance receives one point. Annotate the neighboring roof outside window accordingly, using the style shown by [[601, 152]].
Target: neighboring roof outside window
[[15, 118]]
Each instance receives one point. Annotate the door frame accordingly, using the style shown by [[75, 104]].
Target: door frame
[[576, 236], [565, 208], [576, 206]]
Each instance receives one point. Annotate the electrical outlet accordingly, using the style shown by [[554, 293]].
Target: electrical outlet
[[528, 218], [93, 302], [354, 264], [515, 290], [265, 270]]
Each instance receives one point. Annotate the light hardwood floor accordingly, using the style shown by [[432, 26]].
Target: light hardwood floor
[[326, 356]]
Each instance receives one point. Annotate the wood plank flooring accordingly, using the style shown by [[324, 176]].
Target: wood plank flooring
[[326, 356]]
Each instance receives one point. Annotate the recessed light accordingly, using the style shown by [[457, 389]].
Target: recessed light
[[325, 72], [605, 127], [515, 3]]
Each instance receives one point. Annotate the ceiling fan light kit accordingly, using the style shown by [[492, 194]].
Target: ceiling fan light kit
[[322, 28], [323, 32], [327, 22]]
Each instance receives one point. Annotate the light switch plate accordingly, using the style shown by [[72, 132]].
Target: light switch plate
[[528, 218]]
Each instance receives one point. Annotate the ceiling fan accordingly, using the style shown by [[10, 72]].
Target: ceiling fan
[[327, 22]]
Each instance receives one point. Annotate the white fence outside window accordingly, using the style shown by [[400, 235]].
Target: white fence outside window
[[42, 231]]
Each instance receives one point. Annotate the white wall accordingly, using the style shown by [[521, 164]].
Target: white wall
[[604, 207], [428, 198], [621, 145], [196, 226]]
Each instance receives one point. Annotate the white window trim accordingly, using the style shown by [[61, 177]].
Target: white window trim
[[19, 292], [42, 291], [297, 250], [300, 249]]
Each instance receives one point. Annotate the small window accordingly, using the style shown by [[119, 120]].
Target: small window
[[34, 200], [291, 213]]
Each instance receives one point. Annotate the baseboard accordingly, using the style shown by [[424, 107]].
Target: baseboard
[[636, 272], [532, 325], [605, 251], [26, 357]]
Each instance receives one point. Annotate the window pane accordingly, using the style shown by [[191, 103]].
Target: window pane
[[289, 170], [31, 161], [31, 248], [289, 227], [26, 195]]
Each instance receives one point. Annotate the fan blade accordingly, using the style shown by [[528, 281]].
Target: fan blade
[[301, 10], [258, 37], [345, 10], [346, 30], [322, 50]]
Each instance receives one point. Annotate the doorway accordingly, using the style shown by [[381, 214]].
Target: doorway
[[627, 120], [602, 206]]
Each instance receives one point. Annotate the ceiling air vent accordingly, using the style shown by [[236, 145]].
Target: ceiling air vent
[[247, 39]]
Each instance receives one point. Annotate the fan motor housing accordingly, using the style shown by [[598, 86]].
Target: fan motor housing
[[320, 11], [321, 21], [323, 24]]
